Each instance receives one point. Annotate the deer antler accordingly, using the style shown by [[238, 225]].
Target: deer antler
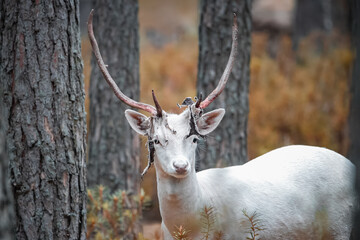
[[221, 85], [158, 107], [109, 79]]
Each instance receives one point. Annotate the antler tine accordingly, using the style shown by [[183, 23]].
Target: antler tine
[[158, 107], [108, 78], [225, 76]]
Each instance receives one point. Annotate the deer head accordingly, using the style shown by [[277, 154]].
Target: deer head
[[173, 137]]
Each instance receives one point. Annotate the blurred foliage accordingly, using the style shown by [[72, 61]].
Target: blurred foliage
[[112, 216], [299, 98], [170, 71]]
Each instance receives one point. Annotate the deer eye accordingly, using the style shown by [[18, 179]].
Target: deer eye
[[156, 141], [195, 140]]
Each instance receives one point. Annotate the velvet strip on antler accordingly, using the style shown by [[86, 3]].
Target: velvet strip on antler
[[151, 149]]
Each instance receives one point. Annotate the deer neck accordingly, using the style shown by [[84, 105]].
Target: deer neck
[[179, 199]]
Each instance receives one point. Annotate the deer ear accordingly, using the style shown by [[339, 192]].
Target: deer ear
[[209, 121], [139, 122]]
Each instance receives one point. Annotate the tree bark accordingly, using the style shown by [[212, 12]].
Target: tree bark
[[41, 69], [354, 113], [114, 147], [227, 145], [7, 210]]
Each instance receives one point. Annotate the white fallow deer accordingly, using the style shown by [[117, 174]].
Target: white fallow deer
[[298, 192]]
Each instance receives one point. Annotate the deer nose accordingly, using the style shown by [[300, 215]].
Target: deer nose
[[181, 166]]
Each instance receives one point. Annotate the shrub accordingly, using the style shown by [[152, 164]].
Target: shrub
[[112, 216]]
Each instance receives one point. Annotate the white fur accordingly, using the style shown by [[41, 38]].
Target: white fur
[[298, 192]]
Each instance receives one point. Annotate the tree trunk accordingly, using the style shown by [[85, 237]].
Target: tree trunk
[[354, 113], [7, 211], [114, 147], [312, 15], [319, 15], [227, 145], [41, 69]]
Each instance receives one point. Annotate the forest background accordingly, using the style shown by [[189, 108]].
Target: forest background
[[296, 96]]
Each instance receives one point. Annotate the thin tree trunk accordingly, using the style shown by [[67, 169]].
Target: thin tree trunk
[[228, 143], [41, 69], [311, 15], [7, 210], [319, 15], [354, 114], [114, 147]]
